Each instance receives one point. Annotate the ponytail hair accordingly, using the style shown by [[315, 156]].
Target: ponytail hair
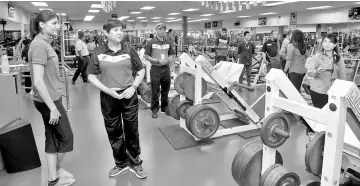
[[42, 16]]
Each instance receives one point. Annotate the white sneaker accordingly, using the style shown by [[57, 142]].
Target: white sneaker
[[62, 173], [63, 182]]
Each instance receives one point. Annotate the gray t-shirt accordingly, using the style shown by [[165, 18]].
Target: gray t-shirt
[[41, 52]]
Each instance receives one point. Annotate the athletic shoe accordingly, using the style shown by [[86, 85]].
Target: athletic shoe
[[118, 170], [62, 173], [62, 182], [154, 115], [138, 171]]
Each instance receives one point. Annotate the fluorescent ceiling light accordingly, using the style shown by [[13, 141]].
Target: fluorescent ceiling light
[[242, 16], [197, 20], [174, 14], [357, 3], [205, 15], [130, 20], [156, 21], [89, 17], [140, 17], [45, 9], [190, 10], [318, 7], [229, 11], [63, 14], [123, 17], [144, 21], [94, 11], [147, 8], [96, 6], [269, 13], [156, 18], [135, 12], [173, 20], [39, 3]]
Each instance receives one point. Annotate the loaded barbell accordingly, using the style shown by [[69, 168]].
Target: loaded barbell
[[275, 130]]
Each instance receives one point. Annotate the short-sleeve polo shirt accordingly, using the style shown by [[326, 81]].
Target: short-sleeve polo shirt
[[115, 69], [41, 52], [159, 49]]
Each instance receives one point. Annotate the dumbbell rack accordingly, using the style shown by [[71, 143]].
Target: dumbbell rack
[[342, 95], [196, 68]]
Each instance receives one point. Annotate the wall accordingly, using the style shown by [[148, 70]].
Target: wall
[[20, 15], [10, 25]]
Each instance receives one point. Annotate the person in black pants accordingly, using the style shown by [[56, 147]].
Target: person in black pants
[[120, 72], [82, 57], [222, 42], [246, 50], [159, 51], [24, 56]]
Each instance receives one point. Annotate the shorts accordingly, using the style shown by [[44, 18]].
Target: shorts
[[58, 138]]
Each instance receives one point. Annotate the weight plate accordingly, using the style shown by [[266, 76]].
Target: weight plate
[[182, 106], [188, 113], [174, 112], [204, 122], [279, 176], [311, 183], [266, 173], [247, 164], [314, 153], [267, 134], [173, 101], [179, 82], [189, 88]]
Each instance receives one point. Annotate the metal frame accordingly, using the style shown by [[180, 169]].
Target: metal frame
[[196, 68], [330, 118]]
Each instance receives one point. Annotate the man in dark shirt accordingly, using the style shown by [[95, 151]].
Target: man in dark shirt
[[159, 51], [222, 43], [270, 51], [246, 50]]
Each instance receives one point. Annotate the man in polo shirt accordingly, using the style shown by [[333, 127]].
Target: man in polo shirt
[[270, 49], [159, 51], [246, 50], [222, 43], [82, 56]]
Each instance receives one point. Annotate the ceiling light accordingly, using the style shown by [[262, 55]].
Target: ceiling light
[[135, 12], [140, 17], [242, 16], [357, 3], [130, 20], [156, 18], [45, 9], [205, 15], [174, 14], [94, 11], [96, 6], [123, 17], [39, 3], [63, 14], [190, 10], [144, 21], [147, 8], [279, 3], [318, 7], [228, 11], [173, 20], [156, 21], [269, 13], [89, 17], [197, 20]]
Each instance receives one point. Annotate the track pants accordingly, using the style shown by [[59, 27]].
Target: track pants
[[160, 77], [246, 68], [121, 123], [82, 68]]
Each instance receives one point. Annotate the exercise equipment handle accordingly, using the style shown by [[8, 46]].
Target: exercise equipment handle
[[281, 132], [233, 84]]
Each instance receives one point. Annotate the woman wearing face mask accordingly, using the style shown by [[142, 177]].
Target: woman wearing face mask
[[296, 58], [323, 68], [44, 64]]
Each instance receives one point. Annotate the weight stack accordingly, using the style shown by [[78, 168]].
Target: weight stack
[[18, 147]]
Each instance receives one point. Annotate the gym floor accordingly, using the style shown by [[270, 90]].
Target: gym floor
[[208, 165]]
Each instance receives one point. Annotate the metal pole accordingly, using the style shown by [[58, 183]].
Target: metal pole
[[67, 95]]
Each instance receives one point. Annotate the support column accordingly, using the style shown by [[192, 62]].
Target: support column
[[185, 31], [318, 31]]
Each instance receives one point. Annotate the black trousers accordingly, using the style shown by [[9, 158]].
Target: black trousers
[[27, 82], [283, 63], [246, 68], [82, 68], [121, 123], [160, 77], [219, 58], [296, 79], [319, 100]]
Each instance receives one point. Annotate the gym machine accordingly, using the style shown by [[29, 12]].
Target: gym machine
[[200, 120], [329, 144]]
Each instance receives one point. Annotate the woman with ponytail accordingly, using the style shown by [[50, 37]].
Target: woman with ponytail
[[322, 70], [44, 64]]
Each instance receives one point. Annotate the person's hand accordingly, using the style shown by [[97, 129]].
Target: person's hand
[[267, 62], [114, 94], [162, 62], [54, 116], [320, 70], [128, 93]]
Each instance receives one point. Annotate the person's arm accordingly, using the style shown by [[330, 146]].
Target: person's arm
[[311, 65], [263, 50], [342, 71], [78, 47], [289, 57], [147, 56], [171, 53], [283, 49], [253, 49]]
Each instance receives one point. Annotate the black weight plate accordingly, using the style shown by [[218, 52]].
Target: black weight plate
[[189, 88], [188, 114], [311, 183], [280, 176], [182, 106], [270, 139], [179, 82], [266, 173], [174, 112], [247, 164], [204, 122], [314, 153], [171, 108]]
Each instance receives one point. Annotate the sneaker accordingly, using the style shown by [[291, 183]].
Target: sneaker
[[62, 173], [138, 171], [118, 170], [73, 82], [63, 182], [154, 115]]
